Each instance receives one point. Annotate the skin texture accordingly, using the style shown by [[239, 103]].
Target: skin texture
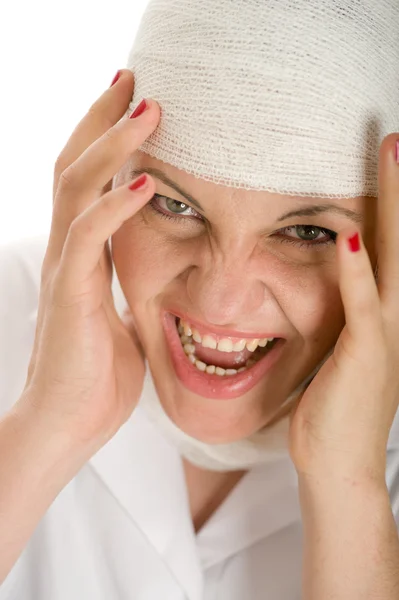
[[232, 270]]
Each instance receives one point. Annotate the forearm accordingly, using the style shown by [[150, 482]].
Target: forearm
[[35, 464], [351, 543]]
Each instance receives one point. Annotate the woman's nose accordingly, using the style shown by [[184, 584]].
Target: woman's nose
[[225, 294]]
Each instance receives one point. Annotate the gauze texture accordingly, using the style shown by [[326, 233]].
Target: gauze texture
[[292, 97]]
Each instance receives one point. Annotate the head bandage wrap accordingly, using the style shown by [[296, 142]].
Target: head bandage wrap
[[289, 97]]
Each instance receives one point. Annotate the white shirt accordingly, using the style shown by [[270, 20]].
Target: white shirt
[[121, 529]]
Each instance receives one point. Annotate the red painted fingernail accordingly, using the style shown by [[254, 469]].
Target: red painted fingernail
[[397, 152], [139, 183], [115, 79], [354, 243], [139, 110]]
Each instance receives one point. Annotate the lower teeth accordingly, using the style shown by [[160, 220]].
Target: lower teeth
[[189, 349]]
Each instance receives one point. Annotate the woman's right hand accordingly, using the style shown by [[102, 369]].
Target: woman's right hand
[[86, 370]]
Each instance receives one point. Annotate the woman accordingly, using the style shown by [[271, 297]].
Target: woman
[[258, 455]]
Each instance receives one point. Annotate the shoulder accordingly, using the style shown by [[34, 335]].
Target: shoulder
[[20, 273]]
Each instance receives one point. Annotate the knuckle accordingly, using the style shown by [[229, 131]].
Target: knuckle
[[111, 135], [69, 178], [99, 116], [96, 112], [107, 206], [93, 110], [80, 228], [66, 178]]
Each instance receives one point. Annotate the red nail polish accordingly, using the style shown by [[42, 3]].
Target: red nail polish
[[139, 183], [397, 152], [115, 79], [139, 110], [354, 243]]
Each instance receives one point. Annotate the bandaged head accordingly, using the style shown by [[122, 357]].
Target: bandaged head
[[291, 97]]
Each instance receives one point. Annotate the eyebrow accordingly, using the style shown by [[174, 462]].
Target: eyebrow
[[305, 211], [165, 179], [311, 211]]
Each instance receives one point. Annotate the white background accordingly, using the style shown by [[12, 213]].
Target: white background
[[56, 58]]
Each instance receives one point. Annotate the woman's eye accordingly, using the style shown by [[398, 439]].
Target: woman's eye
[[170, 208], [304, 236], [307, 235]]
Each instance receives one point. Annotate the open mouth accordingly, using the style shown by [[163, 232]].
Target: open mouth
[[218, 366], [221, 356]]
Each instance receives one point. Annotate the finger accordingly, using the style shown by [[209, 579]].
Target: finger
[[102, 115], [96, 166], [388, 221], [82, 182], [87, 235], [358, 288]]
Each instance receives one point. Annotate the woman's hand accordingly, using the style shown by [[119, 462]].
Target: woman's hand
[[341, 423], [86, 370]]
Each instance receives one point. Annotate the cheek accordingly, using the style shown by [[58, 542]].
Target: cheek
[[314, 306], [146, 262], [308, 296]]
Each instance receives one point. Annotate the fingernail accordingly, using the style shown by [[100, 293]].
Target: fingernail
[[397, 152], [115, 79], [354, 243], [139, 110], [139, 183]]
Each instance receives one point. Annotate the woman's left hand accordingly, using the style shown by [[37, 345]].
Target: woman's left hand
[[341, 423]]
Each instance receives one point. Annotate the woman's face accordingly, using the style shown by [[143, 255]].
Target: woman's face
[[234, 267]]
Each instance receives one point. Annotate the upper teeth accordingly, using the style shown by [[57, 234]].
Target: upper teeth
[[224, 344]]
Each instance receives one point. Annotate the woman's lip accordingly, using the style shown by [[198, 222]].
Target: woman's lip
[[214, 386], [204, 328]]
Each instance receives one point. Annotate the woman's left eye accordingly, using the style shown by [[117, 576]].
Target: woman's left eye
[[169, 208], [309, 235]]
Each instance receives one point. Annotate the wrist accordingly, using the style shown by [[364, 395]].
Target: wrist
[[342, 480], [44, 432], [370, 472], [339, 494]]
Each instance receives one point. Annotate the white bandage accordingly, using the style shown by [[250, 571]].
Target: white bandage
[[292, 97]]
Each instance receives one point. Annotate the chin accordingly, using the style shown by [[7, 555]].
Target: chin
[[207, 419]]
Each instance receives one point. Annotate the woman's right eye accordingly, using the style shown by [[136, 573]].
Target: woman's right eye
[[169, 208]]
